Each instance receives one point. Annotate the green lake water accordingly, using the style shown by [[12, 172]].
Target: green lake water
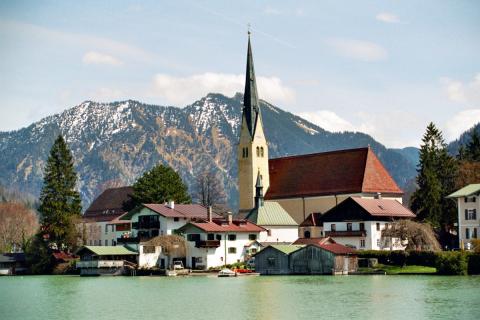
[[288, 297]]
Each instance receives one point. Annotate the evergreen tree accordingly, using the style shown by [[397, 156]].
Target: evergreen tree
[[60, 204], [473, 147], [159, 185], [435, 180]]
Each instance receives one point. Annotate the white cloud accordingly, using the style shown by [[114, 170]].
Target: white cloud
[[328, 120], [183, 90], [387, 17], [461, 122], [94, 57], [358, 49], [462, 92]]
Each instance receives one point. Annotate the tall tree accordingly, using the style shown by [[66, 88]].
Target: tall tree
[[159, 185], [435, 180], [60, 204], [209, 190], [17, 225], [472, 149]]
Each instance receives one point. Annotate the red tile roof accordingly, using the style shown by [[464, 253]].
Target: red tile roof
[[337, 248], [221, 225], [314, 241], [109, 205], [313, 220], [384, 207], [181, 210], [327, 173]]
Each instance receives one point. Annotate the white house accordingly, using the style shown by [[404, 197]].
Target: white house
[[468, 220], [216, 242], [359, 222], [151, 220], [281, 227]]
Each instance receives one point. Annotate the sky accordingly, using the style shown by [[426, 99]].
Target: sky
[[386, 68]]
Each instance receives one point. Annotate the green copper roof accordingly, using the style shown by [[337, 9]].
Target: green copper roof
[[271, 214], [287, 248], [109, 250], [466, 191]]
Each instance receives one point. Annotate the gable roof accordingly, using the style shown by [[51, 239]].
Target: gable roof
[[354, 208], [286, 248], [110, 204], [466, 191], [270, 214], [221, 225], [336, 172], [108, 250], [189, 211], [337, 248], [314, 241], [313, 220]]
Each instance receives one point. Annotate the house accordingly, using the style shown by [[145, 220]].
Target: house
[[270, 215], [274, 259], [359, 222], [161, 251], [312, 226], [151, 220], [330, 258], [12, 263], [468, 205], [304, 184], [105, 260], [218, 242], [101, 225]]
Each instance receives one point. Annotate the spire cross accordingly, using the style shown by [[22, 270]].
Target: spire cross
[[248, 28]]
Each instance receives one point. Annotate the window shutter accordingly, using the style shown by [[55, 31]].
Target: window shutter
[[466, 214]]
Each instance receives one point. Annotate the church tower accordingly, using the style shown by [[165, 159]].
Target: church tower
[[252, 149]]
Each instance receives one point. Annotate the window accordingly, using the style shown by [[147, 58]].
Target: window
[[271, 261], [333, 227], [252, 237], [467, 233], [470, 214], [176, 219], [232, 250], [245, 152], [349, 226], [148, 249], [90, 241], [269, 232], [198, 260], [106, 242], [378, 242], [474, 236], [378, 226], [362, 243], [232, 237], [470, 199], [106, 228], [306, 234], [114, 243], [258, 151], [193, 237], [387, 226], [253, 250], [362, 226], [210, 236], [218, 237], [261, 152]]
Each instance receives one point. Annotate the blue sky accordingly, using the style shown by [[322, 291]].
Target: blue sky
[[386, 68]]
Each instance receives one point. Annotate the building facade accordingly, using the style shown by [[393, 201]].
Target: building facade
[[468, 205]]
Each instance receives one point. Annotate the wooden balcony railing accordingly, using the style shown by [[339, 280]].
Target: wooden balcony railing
[[207, 244]]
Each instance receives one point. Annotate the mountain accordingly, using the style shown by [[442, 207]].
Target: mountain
[[114, 143], [454, 146]]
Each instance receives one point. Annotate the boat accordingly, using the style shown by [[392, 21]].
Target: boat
[[227, 273]]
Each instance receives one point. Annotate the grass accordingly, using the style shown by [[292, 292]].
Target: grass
[[393, 269]]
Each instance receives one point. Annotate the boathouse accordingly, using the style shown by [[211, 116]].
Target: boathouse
[[105, 260], [274, 259], [331, 258]]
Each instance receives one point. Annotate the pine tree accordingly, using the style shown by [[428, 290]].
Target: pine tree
[[60, 204], [473, 147], [435, 180], [159, 185]]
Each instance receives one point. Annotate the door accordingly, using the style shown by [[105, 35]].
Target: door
[[194, 262], [346, 263]]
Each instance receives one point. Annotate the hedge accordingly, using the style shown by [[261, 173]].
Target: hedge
[[451, 263], [474, 264]]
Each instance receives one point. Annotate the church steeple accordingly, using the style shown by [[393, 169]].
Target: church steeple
[[250, 99], [259, 192]]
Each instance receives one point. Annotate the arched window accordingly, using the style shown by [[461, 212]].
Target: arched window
[[258, 151], [306, 234], [261, 152]]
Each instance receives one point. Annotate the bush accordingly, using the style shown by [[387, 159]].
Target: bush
[[451, 263], [474, 264], [385, 257], [421, 258]]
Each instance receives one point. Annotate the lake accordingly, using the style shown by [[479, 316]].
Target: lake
[[287, 297]]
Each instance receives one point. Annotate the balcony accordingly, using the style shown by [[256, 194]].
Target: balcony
[[146, 225], [207, 244], [100, 264], [357, 233]]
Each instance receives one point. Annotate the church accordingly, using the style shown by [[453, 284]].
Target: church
[[287, 191]]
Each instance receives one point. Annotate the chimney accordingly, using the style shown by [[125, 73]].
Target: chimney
[[171, 204], [229, 217], [209, 214], [378, 196]]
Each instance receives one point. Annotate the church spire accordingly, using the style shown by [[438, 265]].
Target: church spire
[[259, 191], [250, 99]]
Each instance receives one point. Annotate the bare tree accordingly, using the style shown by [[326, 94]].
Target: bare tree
[[419, 236], [209, 190], [17, 225]]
